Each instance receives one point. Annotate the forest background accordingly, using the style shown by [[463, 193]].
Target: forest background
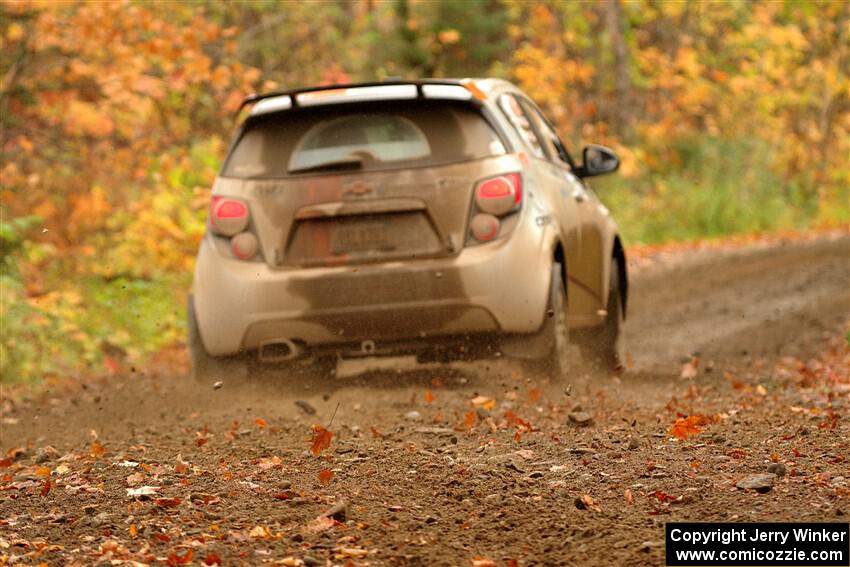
[[729, 116]]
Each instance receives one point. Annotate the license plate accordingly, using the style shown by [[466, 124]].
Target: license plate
[[359, 237]]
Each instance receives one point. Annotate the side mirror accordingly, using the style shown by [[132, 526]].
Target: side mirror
[[598, 160]]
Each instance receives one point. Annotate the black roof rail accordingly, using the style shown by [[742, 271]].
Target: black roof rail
[[253, 98]]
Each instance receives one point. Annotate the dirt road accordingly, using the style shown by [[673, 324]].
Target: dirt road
[[449, 466]]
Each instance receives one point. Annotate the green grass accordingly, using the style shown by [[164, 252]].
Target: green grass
[[722, 188], [71, 331]]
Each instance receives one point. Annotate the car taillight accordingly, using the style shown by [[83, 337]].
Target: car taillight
[[244, 245], [228, 216], [495, 197], [484, 227], [499, 195]]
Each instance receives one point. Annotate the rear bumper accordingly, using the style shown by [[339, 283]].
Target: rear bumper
[[500, 287]]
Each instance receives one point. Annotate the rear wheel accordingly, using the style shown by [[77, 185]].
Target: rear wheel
[[604, 345], [208, 369], [555, 332]]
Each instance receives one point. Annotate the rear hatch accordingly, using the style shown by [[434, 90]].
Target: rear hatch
[[364, 182]]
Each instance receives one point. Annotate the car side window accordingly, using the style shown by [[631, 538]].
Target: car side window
[[553, 142], [521, 123]]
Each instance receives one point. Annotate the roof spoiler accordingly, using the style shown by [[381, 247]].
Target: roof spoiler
[[469, 84]]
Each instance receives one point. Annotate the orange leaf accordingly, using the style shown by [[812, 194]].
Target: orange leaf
[[45, 488], [133, 530], [167, 502], [587, 503], [42, 472], [97, 450], [469, 421], [429, 397], [212, 559], [321, 440], [687, 426], [664, 497], [325, 476], [514, 420], [484, 402], [175, 559], [260, 422]]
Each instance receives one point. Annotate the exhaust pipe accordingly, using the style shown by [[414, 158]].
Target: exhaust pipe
[[278, 350]]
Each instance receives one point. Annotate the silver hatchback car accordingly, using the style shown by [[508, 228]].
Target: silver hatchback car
[[440, 218]]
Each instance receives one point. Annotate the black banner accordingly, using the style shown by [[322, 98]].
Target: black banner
[[690, 544]]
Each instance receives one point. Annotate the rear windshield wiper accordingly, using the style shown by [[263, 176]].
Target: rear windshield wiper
[[339, 165]]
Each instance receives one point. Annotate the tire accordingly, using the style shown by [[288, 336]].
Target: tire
[[555, 332], [604, 346], [208, 369]]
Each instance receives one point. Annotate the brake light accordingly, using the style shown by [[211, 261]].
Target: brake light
[[495, 197], [228, 216], [499, 195]]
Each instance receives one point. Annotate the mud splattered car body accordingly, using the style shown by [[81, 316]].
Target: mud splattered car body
[[428, 217]]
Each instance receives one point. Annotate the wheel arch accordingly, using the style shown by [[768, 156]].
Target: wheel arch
[[618, 255]]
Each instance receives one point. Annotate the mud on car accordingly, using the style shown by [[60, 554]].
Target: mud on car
[[443, 219]]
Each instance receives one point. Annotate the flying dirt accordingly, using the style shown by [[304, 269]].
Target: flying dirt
[[734, 406]]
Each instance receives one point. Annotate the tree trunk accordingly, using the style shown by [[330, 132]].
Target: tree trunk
[[622, 83]]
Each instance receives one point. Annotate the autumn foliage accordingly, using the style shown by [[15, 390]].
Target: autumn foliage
[[729, 117]]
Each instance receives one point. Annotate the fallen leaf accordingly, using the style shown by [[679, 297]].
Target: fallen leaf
[[664, 497], [45, 488], [97, 450], [483, 402], [133, 530], [343, 551], [534, 394], [267, 463], [468, 421], [321, 440], [516, 421], [585, 502], [168, 502], [259, 532], [135, 479], [429, 397], [260, 422], [320, 523], [43, 472], [687, 426], [212, 559], [325, 476], [142, 491], [176, 559]]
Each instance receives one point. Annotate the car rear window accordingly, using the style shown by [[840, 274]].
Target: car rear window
[[377, 136]]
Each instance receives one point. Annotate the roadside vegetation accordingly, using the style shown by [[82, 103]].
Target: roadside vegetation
[[729, 117]]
